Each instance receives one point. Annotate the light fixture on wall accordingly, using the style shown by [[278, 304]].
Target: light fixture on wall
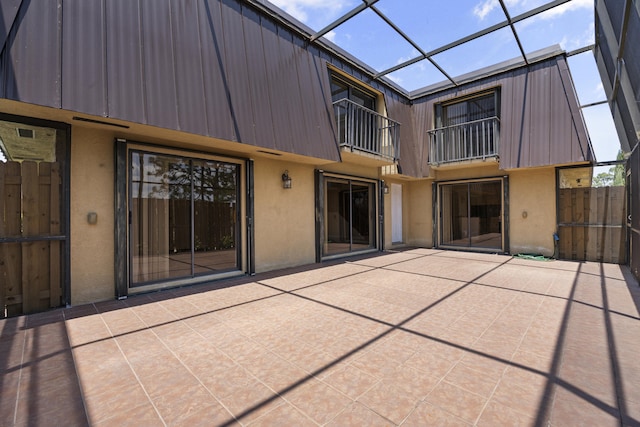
[[385, 188], [286, 180]]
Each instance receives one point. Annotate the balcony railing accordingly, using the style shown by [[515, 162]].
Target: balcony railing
[[361, 129], [472, 140]]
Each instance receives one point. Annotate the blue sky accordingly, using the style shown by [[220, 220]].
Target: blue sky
[[433, 23]]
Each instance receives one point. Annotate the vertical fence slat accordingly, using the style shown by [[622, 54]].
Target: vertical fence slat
[[11, 252], [30, 224], [55, 256]]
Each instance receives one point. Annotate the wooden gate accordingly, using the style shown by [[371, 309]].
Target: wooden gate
[[591, 224], [30, 241]]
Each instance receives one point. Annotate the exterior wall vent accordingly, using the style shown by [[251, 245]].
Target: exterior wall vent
[[25, 133]]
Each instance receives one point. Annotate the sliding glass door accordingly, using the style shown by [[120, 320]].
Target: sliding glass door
[[184, 217], [349, 217], [471, 214]]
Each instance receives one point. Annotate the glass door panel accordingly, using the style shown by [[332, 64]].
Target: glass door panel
[[184, 217], [160, 225], [455, 214], [349, 216], [361, 218], [337, 218], [485, 219], [215, 214], [471, 215]]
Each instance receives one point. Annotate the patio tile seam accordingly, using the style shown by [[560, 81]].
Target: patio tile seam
[[131, 368], [511, 363], [22, 364]]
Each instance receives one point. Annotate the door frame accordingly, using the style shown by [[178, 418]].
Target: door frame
[[437, 214], [246, 238], [63, 156], [376, 216]]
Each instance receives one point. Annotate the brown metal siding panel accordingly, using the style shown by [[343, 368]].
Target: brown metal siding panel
[[290, 96], [83, 61], [319, 140], [581, 149], [319, 64], [8, 13], [507, 115], [125, 94], [539, 95], [188, 67], [158, 70], [562, 135], [236, 71], [258, 82], [422, 121], [278, 87], [401, 112], [32, 67], [515, 127], [220, 118]]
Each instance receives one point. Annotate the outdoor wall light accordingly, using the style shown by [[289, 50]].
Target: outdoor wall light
[[385, 188], [286, 180]]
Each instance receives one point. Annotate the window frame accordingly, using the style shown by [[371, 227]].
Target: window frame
[[440, 106]]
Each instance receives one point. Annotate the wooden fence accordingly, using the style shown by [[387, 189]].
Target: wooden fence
[[30, 245], [591, 224]]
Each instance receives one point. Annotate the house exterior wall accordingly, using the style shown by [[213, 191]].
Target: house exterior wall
[[420, 217], [220, 77], [213, 68], [540, 120], [530, 190], [92, 246], [532, 201], [284, 218]]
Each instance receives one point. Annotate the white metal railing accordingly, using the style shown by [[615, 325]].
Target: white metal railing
[[361, 129], [478, 139]]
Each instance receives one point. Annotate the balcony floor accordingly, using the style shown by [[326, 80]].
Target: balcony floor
[[413, 338]]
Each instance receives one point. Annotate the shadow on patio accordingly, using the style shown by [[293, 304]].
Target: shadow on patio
[[419, 337]]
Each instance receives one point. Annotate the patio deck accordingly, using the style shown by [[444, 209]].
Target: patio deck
[[413, 338]]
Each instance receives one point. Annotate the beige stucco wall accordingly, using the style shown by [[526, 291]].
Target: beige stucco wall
[[530, 190], [92, 187], [284, 218], [532, 197], [419, 224]]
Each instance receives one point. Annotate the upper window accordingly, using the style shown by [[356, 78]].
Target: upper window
[[459, 111], [342, 89], [466, 129]]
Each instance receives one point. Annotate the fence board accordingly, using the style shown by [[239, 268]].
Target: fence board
[[30, 272], [11, 253], [55, 276], [591, 224], [30, 227]]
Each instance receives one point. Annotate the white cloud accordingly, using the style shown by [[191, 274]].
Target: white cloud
[[396, 80], [303, 10], [599, 91], [484, 8], [585, 39], [481, 10], [331, 36], [566, 7]]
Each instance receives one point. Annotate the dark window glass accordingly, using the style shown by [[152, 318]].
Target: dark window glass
[[184, 218], [481, 107], [340, 89]]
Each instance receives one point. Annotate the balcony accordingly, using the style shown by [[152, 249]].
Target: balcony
[[365, 131], [478, 139]]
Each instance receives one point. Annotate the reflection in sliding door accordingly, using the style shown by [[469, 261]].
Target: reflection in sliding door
[[184, 217], [349, 216], [471, 215]]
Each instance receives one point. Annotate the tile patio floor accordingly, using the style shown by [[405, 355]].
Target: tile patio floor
[[413, 338]]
